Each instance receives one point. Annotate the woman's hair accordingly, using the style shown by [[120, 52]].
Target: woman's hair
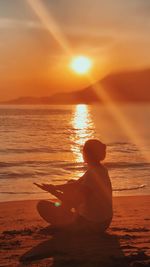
[[94, 151]]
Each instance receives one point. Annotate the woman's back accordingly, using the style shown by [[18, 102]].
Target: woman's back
[[97, 205]]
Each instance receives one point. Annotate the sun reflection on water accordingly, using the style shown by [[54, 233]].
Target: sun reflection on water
[[83, 129]]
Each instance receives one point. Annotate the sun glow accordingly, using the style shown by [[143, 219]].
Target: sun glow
[[81, 64]]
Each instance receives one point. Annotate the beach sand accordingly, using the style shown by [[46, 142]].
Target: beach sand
[[127, 242]]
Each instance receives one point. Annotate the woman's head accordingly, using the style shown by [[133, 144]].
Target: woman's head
[[94, 151]]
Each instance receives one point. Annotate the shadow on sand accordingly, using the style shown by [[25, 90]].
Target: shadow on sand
[[78, 249]]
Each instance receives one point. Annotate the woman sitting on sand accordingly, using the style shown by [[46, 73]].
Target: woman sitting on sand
[[85, 203]]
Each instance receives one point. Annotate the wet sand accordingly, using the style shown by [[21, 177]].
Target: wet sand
[[127, 242]]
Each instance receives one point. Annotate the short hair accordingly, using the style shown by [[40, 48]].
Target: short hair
[[94, 150]]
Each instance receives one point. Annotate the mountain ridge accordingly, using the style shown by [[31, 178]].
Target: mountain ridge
[[129, 86]]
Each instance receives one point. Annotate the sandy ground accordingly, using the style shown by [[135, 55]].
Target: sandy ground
[[127, 242]]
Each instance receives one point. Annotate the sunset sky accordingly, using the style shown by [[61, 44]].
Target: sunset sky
[[36, 45]]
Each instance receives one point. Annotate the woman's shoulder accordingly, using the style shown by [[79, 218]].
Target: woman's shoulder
[[100, 171], [99, 167]]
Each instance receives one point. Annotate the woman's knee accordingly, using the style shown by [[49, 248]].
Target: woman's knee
[[41, 204]]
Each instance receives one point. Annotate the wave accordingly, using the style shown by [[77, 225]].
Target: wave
[[130, 188], [25, 162], [15, 175], [31, 150], [33, 112], [120, 165], [22, 193], [58, 170], [72, 165]]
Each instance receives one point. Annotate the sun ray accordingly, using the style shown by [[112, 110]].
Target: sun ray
[[50, 24], [119, 117]]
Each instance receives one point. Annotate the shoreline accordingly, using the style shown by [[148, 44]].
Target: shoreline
[[128, 242], [143, 194], [36, 200]]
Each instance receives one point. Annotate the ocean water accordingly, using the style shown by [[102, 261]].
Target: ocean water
[[44, 144]]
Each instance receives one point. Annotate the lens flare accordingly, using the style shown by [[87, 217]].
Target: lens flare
[[57, 204]]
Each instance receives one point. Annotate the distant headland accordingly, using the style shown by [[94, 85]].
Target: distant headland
[[131, 86]]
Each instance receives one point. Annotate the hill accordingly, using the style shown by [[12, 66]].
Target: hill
[[86, 96], [131, 86]]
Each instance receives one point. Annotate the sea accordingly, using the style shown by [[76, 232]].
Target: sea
[[43, 144]]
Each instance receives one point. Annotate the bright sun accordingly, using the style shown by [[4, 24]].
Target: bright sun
[[81, 64]]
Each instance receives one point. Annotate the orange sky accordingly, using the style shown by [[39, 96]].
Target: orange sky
[[34, 56]]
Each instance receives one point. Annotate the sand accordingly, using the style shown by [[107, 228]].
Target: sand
[[127, 242]]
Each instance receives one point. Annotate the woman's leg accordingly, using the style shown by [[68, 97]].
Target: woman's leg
[[62, 197], [82, 224], [58, 216], [56, 193]]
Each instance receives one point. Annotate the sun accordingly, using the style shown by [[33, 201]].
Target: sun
[[81, 64]]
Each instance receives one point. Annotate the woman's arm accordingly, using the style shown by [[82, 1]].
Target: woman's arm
[[63, 187], [51, 189], [71, 184], [46, 187]]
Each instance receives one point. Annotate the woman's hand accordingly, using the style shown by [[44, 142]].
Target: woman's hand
[[46, 187], [71, 181]]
